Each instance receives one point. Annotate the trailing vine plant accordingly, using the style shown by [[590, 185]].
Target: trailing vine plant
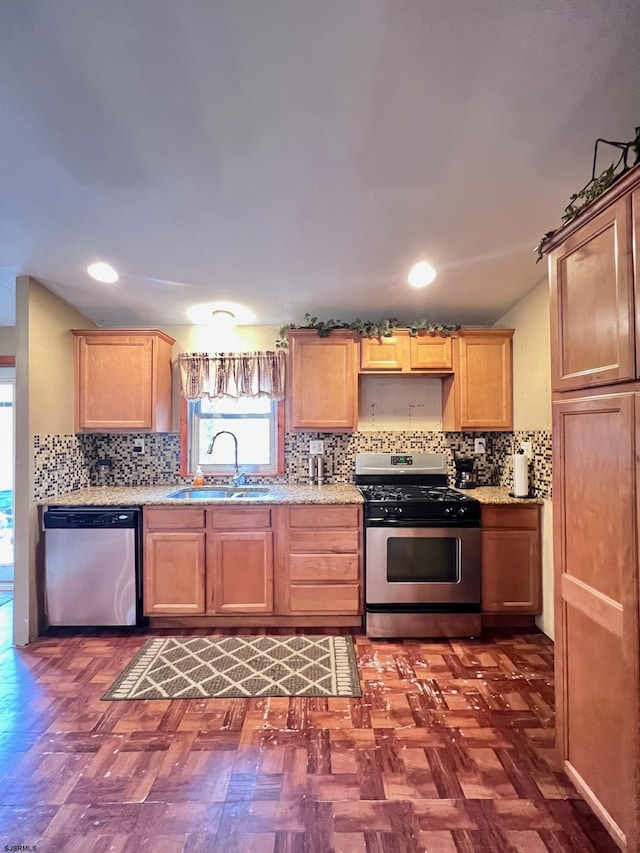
[[365, 328], [597, 185]]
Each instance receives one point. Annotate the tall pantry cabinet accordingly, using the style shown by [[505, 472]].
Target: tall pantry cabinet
[[594, 272]]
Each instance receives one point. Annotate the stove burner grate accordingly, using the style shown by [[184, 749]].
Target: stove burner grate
[[397, 494]]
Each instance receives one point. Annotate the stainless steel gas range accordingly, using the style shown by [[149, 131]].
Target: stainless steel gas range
[[422, 548]]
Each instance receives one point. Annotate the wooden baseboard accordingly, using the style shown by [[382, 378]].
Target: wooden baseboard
[[599, 810], [508, 620], [255, 621]]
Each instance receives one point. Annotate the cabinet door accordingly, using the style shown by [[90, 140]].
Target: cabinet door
[[511, 571], [484, 381], [114, 382], [635, 219], [174, 573], [592, 327], [323, 382], [240, 572], [596, 586], [382, 353], [431, 352]]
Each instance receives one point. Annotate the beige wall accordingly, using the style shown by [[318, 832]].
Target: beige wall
[[531, 360], [51, 384], [400, 403], [44, 405], [532, 407], [7, 340], [203, 339]]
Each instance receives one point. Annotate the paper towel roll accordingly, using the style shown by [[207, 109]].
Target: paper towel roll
[[520, 475]]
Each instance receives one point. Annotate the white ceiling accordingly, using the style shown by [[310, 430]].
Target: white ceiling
[[298, 155]]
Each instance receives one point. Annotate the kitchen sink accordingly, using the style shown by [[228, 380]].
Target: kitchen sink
[[242, 492], [205, 493]]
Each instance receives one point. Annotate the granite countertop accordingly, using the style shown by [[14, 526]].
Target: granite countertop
[[279, 493], [497, 495]]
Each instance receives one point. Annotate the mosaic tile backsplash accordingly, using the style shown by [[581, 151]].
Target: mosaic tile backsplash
[[67, 462], [61, 465]]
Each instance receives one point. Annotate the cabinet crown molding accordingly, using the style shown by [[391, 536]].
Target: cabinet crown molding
[[86, 333]]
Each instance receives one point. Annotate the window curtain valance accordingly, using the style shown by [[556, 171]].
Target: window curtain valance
[[232, 374]]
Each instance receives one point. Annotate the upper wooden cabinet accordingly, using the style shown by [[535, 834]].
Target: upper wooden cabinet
[[402, 353], [476, 367], [479, 395], [123, 380], [592, 322], [323, 381]]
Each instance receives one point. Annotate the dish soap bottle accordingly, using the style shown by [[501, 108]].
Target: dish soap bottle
[[198, 479]]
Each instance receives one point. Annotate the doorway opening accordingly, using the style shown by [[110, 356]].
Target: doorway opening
[[7, 464]]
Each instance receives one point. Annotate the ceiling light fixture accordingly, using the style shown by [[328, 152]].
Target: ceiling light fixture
[[223, 320], [421, 274], [212, 313], [103, 272]]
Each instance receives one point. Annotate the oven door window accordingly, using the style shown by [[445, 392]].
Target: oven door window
[[423, 560]]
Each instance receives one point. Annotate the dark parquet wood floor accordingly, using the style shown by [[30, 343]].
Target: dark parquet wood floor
[[450, 750]]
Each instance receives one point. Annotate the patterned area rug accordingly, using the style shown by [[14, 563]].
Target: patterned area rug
[[197, 667]]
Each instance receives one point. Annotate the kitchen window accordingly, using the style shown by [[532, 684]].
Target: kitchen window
[[257, 424]]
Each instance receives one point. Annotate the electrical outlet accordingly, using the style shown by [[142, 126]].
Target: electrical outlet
[[138, 446], [480, 445], [526, 447], [316, 448]]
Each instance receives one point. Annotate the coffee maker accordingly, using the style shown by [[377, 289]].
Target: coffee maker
[[465, 472]]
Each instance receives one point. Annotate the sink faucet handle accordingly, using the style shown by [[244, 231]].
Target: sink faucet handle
[[239, 477]]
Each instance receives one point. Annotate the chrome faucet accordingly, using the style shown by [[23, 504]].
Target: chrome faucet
[[237, 478]]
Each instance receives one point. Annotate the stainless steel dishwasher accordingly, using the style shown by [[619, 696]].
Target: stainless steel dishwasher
[[92, 566]]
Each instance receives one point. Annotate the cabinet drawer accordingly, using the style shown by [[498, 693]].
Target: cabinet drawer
[[335, 598], [521, 517], [431, 352], [159, 518], [382, 353], [331, 541], [323, 567], [324, 516], [241, 517]]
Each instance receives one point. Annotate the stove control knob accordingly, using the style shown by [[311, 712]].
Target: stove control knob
[[462, 511], [392, 511], [447, 512]]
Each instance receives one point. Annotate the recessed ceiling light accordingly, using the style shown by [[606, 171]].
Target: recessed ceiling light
[[102, 272], [421, 274]]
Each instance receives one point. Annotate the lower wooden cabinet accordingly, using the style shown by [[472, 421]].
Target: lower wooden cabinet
[[511, 559], [240, 572], [199, 561], [322, 557], [174, 573], [285, 561]]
